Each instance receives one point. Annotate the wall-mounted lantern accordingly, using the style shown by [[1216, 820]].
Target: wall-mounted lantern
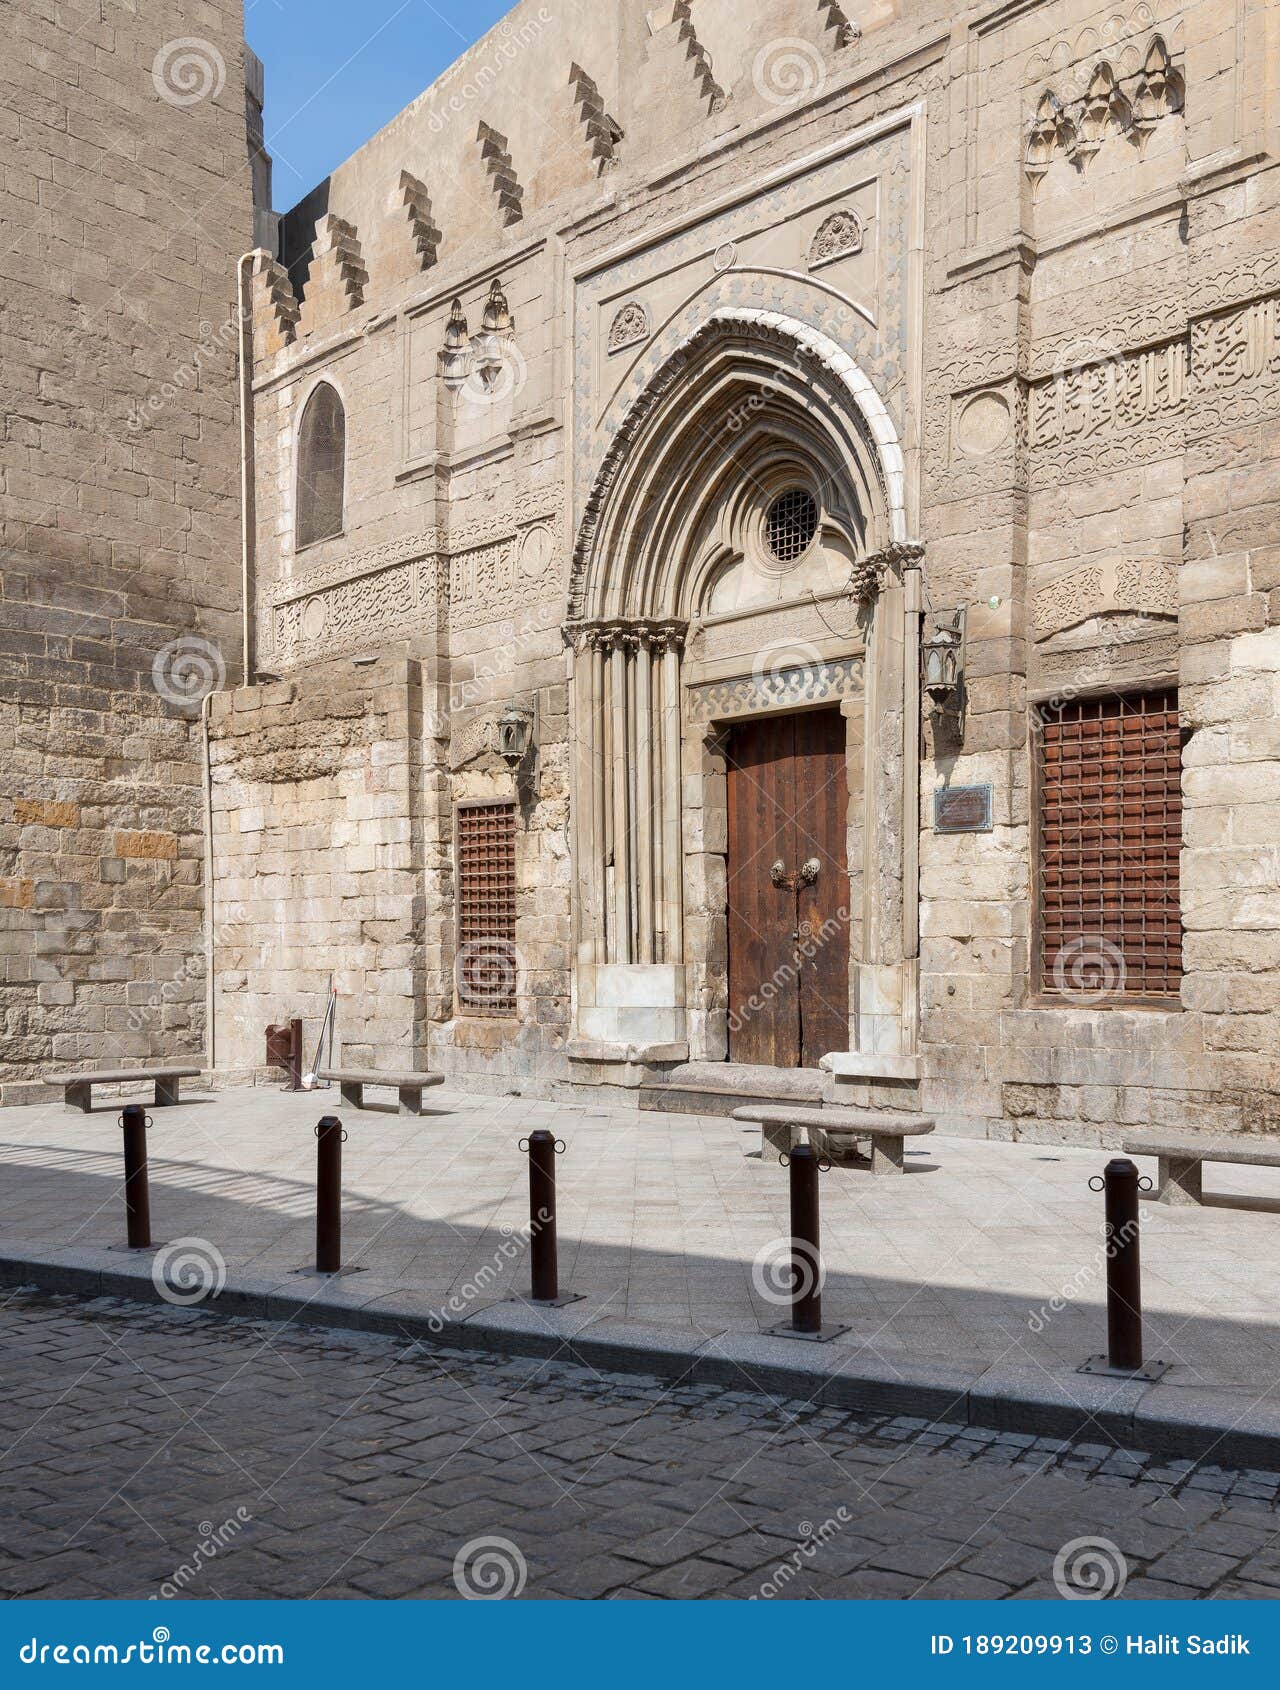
[[943, 658], [515, 733]]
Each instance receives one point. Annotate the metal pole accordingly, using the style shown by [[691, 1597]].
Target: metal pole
[[806, 1258], [1124, 1272], [137, 1197], [542, 1216], [329, 1137], [295, 1055]]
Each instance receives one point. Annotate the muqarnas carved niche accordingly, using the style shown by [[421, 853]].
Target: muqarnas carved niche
[[629, 327], [1130, 106], [838, 236], [1145, 586]]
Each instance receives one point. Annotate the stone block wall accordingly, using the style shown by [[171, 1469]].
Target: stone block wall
[[126, 200], [1100, 492], [318, 840], [1086, 301]]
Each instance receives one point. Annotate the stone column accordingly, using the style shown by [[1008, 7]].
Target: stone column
[[619, 776], [670, 857], [644, 830]]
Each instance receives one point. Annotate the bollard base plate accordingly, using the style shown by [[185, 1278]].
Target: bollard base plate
[[136, 1249], [552, 1302], [1101, 1367], [316, 1273], [825, 1333]]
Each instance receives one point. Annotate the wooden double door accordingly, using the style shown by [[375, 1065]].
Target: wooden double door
[[788, 804]]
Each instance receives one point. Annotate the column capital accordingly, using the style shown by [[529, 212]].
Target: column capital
[[870, 574]]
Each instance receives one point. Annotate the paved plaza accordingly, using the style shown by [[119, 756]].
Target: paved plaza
[[150, 1451], [985, 1256]]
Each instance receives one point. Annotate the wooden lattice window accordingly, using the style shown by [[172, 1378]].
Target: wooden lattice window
[[1110, 815], [487, 967]]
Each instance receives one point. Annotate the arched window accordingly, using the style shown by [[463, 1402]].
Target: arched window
[[322, 452]]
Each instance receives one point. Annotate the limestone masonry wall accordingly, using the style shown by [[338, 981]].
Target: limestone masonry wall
[[125, 203]]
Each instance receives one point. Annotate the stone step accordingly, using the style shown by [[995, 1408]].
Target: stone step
[[718, 1088]]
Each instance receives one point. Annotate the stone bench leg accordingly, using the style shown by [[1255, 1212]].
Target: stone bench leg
[[1178, 1178], [166, 1092], [410, 1100], [352, 1092], [79, 1097], [775, 1141], [886, 1154]]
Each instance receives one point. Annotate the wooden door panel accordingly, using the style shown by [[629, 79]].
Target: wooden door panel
[[764, 1014], [788, 944], [822, 809]]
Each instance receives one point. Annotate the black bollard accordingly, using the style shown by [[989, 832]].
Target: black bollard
[[329, 1137], [543, 1254], [1124, 1271], [806, 1256], [137, 1197]]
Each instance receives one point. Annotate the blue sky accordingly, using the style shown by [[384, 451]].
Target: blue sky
[[337, 70]]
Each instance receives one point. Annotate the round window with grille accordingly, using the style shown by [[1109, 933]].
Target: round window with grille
[[790, 523]]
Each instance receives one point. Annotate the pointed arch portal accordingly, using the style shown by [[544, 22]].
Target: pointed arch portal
[[753, 415]]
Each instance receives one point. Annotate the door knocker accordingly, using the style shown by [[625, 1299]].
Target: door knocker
[[778, 873], [809, 871]]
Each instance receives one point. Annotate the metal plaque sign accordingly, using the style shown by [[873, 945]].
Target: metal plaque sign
[[962, 809]]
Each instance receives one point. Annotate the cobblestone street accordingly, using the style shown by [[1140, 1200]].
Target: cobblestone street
[[163, 1452]]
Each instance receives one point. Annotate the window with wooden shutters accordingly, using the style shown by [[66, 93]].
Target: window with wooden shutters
[[487, 967], [1110, 826]]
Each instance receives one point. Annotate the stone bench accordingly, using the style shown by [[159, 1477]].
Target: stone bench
[[1180, 1157], [410, 1087], [78, 1088], [780, 1123]]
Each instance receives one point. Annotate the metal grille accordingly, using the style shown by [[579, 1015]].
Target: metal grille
[[487, 968], [1110, 833], [790, 523]]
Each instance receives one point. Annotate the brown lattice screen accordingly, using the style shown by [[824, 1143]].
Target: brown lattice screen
[[1110, 833], [487, 965]]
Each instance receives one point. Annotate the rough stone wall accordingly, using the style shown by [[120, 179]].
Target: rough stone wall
[[125, 203]]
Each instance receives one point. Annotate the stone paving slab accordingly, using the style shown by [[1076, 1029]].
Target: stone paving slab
[[972, 1287]]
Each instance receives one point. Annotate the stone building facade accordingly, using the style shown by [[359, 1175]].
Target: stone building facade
[[764, 574], [125, 200]]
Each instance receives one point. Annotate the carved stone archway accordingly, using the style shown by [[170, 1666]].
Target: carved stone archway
[[747, 400]]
